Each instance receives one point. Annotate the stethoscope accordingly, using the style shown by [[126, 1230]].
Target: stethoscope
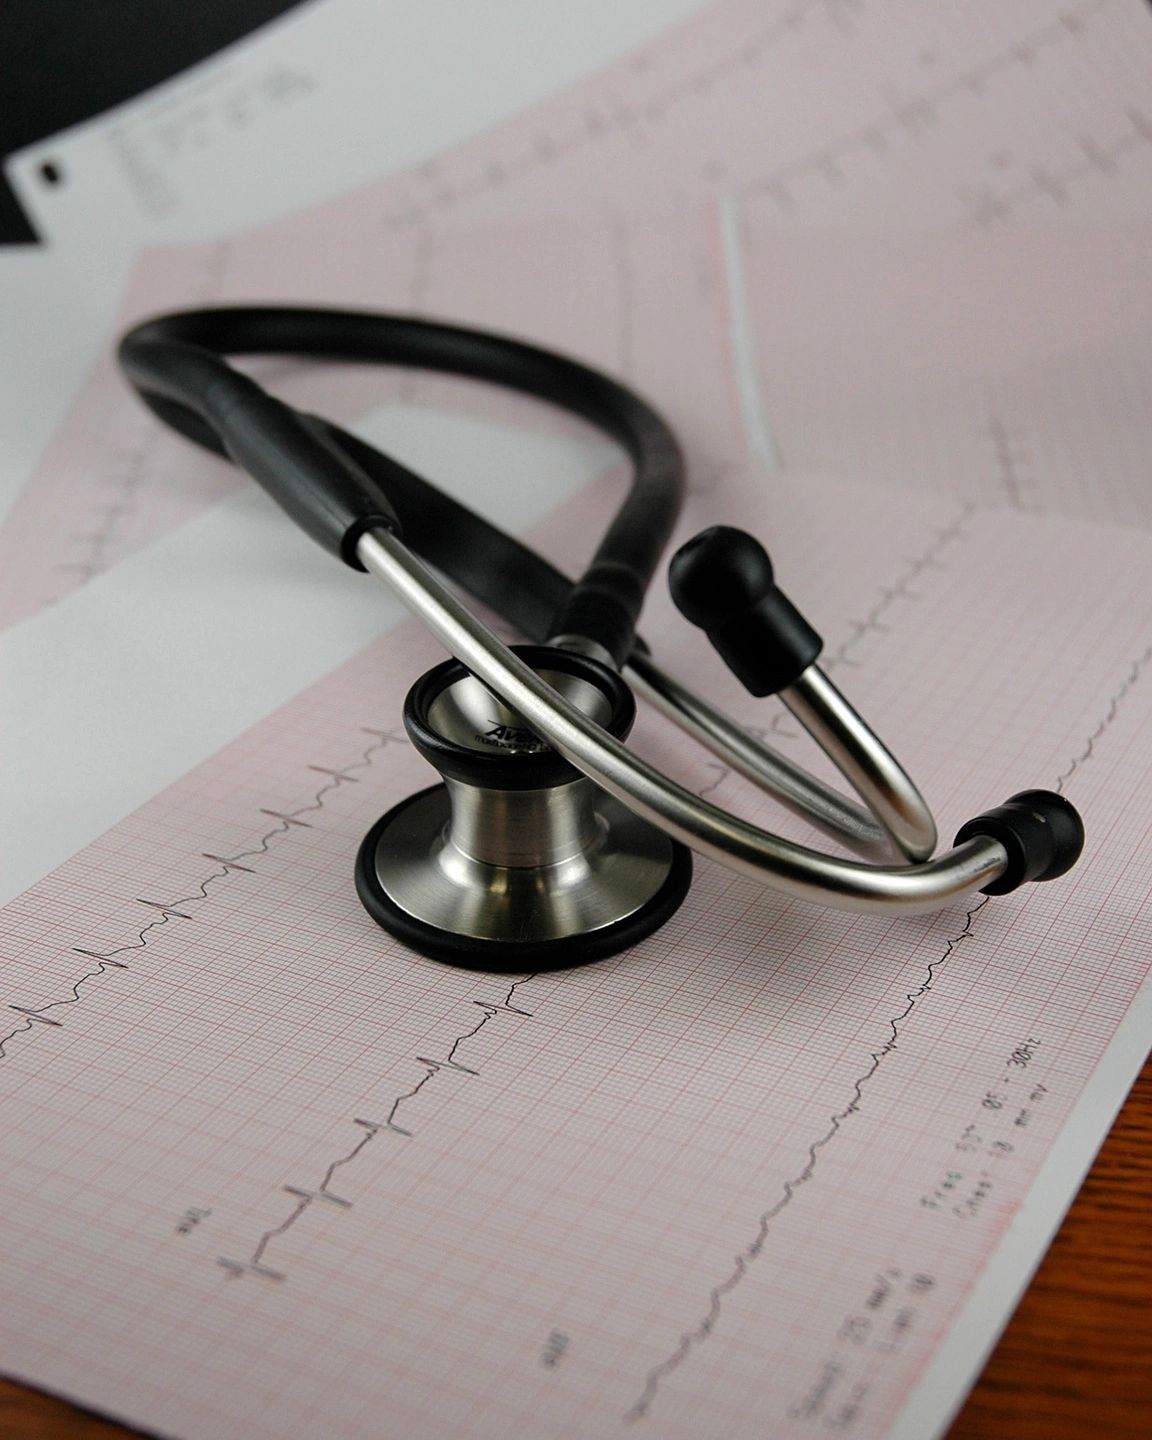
[[549, 843]]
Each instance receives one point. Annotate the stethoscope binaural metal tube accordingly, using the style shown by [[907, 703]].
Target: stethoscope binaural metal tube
[[865, 762], [821, 805], [790, 868]]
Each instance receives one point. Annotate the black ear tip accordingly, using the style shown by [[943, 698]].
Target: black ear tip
[[722, 581], [1064, 824], [719, 575], [1041, 832]]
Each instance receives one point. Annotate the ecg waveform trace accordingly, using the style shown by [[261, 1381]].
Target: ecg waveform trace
[[1011, 461], [691, 126], [1134, 675], [1091, 159], [755, 1247], [901, 588], [255, 1264], [174, 909], [96, 543]]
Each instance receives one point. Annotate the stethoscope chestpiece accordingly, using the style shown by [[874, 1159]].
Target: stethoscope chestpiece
[[516, 861]]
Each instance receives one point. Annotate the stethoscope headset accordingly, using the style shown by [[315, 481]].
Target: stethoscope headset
[[548, 842]]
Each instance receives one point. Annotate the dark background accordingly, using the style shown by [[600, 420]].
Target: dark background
[[63, 61]]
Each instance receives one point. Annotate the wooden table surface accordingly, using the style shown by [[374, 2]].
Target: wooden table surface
[[1075, 1363]]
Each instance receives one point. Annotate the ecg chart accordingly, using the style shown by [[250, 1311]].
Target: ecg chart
[[268, 1171], [742, 1175]]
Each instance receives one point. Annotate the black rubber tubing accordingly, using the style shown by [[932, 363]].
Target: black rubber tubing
[[336, 486]]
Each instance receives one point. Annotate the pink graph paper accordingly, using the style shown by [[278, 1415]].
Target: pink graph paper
[[1008, 366], [266, 1170]]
